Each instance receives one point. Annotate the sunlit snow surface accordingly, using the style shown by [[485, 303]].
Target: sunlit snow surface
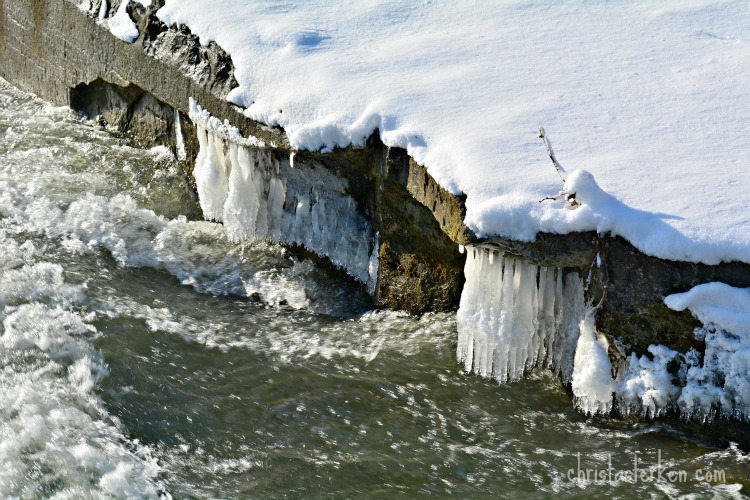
[[649, 97]]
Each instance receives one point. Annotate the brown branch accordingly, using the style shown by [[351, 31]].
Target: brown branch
[[549, 198]]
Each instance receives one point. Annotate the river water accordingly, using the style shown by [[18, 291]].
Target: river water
[[144, 355]]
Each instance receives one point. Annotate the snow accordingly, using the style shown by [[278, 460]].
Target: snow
[[725, 306], [648, 97], [515, 316], [120, 24]]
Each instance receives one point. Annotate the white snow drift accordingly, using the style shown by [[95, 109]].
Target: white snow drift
[[650, 98]]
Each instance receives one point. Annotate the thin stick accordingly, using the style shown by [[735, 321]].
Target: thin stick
[[560, 170]]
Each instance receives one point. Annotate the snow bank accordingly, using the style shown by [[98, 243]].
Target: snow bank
[[649, 98]]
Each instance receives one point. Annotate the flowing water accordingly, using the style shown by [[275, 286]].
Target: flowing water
[[144, 355]]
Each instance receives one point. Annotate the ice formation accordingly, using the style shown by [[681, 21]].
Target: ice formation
[[721, 385], [181, 154], [592, 382], [515, 316], [243, 185], [667, 380], [645, 386]]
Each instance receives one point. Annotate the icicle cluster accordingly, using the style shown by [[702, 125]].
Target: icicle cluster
[[515, 316], [592, 382], [247, 189]]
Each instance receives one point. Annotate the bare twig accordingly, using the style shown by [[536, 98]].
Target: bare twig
[[550, 198], [560, 170]]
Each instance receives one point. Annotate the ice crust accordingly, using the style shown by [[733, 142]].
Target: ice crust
[[647, 97], [244, 186], [699, 386]]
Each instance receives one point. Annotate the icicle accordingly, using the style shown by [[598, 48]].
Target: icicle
[[301, 218], [178, 138], [317, 218], [572, 312], [547, 315], [505, 321], [511, 314], [592, 372], [373, 264], [211, 176], [291, 159], [466, 312], [276, 197]]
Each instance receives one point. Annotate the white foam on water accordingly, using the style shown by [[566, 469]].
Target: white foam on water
[[51, 419], [61, 197], [197, 253]]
